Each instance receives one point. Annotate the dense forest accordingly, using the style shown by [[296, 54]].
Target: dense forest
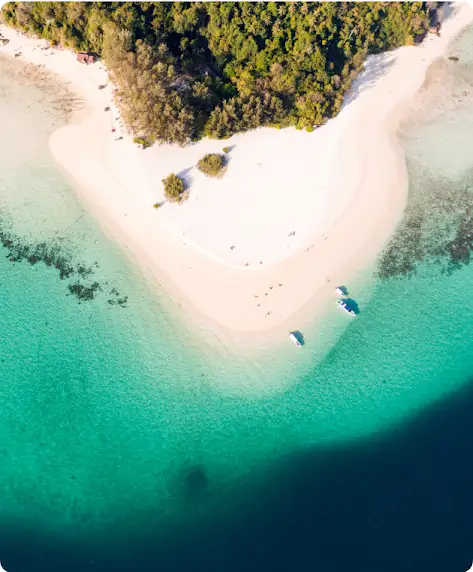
[[190, 69]]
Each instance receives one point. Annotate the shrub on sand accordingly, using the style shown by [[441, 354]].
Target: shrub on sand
[[174, 188], [211, 164], [141, 141], [227, 149]]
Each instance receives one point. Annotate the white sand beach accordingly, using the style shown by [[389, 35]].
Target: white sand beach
[[295, 214]]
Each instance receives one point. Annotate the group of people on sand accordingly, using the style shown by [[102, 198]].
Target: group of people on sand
[[269, 312], [107, 109]]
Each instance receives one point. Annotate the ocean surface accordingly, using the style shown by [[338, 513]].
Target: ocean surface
[[132, 439]]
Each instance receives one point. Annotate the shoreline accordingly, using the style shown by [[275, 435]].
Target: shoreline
[[364, 159]]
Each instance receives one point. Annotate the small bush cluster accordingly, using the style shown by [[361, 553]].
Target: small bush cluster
[[211, 164], [174, 188], [143, 142]]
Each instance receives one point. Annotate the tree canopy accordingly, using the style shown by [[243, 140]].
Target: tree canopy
[[211, 164], [174, 188], [189, 69]]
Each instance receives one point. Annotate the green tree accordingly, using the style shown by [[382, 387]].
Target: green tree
[[174, 188], [185, 70], [211, 164]]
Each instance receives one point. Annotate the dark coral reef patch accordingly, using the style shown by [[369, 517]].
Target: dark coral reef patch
[[56, 255], [437, 227]]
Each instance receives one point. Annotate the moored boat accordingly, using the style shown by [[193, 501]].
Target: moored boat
[[344, 306], [294, 339]]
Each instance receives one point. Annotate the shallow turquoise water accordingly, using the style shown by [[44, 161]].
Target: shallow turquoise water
[[116, 416]]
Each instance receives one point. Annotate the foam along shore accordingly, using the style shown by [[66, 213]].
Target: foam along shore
[[295, 214]]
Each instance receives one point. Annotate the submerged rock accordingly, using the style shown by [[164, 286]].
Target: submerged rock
[[196, 482]]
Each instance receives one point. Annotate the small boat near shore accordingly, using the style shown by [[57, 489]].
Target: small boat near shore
[[294, 339], [344, 306], [341, 291]]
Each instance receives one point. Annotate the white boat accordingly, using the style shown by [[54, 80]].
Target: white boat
[[344, 306], [294, 339], [341, 290]]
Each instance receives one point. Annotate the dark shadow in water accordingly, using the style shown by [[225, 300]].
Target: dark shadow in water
[[402, 501], [196, 483]]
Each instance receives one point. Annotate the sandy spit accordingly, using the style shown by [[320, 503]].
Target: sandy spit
[[259, 251]]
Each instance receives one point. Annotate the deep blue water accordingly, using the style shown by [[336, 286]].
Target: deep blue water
[[401, 501]]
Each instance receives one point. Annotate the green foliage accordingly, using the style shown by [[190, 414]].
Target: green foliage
[[211, 164], [174, 188], [185, 70], [241, 114], [145, 79], [140, 141], [226, 149], [157, 205]]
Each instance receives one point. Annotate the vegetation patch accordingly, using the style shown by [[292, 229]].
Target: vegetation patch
[[174, 188], [190, 69], [143, 143], [212, 164]]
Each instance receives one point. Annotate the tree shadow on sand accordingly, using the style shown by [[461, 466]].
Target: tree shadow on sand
[[376, 66], [186, 176]]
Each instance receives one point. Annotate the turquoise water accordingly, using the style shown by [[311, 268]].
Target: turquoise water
[[121, 419]]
